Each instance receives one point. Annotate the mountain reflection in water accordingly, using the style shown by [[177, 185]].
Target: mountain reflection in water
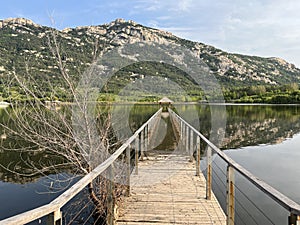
[[246, 126]]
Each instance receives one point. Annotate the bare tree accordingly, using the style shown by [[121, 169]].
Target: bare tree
[[56, 130]]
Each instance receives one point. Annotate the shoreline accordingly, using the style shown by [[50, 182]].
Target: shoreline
[[7, 104]]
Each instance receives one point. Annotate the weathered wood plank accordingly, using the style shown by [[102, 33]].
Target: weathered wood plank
[[61, 200], [168, 192], [277, 196], [31, 215]]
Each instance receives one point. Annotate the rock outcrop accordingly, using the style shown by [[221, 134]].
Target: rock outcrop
[[17, 21], [227, 67]]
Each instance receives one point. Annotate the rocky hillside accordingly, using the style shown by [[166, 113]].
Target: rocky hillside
[[24, 50]]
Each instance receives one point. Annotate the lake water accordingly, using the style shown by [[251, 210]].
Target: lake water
[[262, 138]]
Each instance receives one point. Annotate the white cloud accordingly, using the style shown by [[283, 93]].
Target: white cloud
[[255, 27], [183, 6], [267, 29]]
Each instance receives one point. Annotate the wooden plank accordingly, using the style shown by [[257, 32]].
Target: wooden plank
[[198, 156], [55, 218], [31, 215], [128, 172], [230, 202], [277, 196], [136, 155], [165, 223], [209, 173], [61, 200], [174, 196]]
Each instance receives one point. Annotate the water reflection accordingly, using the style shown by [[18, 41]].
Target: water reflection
[[22, 161], [14, 164], [249, 125], [246, 125]]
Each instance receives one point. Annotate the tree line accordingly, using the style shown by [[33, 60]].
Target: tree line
[[271, 94]]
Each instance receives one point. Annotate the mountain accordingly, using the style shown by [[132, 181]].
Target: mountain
[[24, 50]]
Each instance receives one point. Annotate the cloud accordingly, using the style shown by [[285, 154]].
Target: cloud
[[263, 28], [182, 6], [256, 27]]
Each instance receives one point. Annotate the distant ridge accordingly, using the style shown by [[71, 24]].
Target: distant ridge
[[22, 40]]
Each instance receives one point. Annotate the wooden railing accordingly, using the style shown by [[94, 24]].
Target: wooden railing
[[187, 134], [53, 210], [140, 139]]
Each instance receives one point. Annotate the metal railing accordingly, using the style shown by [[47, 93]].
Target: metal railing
[[53, 209], [187, 134]]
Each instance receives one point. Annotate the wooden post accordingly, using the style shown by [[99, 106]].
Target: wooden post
[[141, 144], [150, 132], [145, 139], [137, 155], [110, 196], [183, 135], [209, 174], [187, 139], [198, 156], [230, 204], [191, 145], [55, 218], [128, 149], [148, 135], [294, 219]]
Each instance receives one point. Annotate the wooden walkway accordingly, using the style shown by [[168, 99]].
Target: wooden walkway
[[166, 191]]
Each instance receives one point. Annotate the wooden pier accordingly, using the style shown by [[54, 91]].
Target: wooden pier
[[167, 191], [164, 186]]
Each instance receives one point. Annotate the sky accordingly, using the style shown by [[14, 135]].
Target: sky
[[268, 28]]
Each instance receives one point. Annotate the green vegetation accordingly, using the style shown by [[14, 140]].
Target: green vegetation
[[26, 52], [283, 94]]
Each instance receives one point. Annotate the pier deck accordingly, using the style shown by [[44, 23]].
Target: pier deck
[[163, 185], [166, 191]]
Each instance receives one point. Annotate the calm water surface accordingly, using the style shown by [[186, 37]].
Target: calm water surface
[[264, 139]]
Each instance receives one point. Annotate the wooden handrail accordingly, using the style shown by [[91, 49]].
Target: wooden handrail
[[281, 199], [65, 197]]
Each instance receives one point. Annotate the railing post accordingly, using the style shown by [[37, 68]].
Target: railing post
[[142, 136], [55, 218], [209, 174], [230, 196], [183, 135], [198, 156], [187, 139], [146, 139], [137, 145], [110, 196], [148, 135], [191, 145], [128, 149], [150, 131], [294, 219]]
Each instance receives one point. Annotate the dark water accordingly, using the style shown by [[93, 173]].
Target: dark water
[[19, 193], [277, 165], [264, 139]]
